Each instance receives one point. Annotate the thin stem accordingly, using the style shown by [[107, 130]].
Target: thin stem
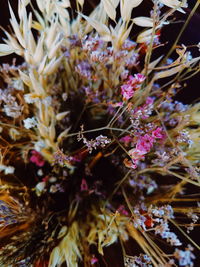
[[100, 129], [181, 31]]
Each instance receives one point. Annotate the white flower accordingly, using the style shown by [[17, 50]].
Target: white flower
[[39, 145], [30, 98], [30, 123], [47, 101], [40, 188], [7, 169], [18, 85]]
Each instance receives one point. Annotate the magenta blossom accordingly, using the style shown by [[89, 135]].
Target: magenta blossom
[[94, 260], [127, 91], [84, 185], [139, 78], [145, 143], [158, 133], [133, 83], [126, 140], [37, 158]]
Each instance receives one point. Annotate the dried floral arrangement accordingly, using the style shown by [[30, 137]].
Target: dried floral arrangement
[[94, 148]]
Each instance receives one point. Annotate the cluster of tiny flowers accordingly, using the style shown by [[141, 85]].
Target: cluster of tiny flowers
[[30, 123], [143, 182], [163, 230], [99, 141], [84, 70], [164, 211], [143, 146], [142, 112], [142, 260], [10, 106], [184, 137], [185, 258], [194, 217], [132, 84], [62, 159]]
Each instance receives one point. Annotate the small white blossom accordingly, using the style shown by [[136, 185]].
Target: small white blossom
[[7, 169], [39, 145], [30, 123], [47, 101], [40, 172], [40, 188], [30, 99]]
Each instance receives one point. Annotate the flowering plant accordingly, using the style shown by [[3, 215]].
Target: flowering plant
[[94, 148]]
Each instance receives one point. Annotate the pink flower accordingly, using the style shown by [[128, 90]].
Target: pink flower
[[139, 78], [149, 101], [136, 155], [126, 140], [94, 260], [122, 210], [158, 133], [145, 143], [37, 158], [130, 164], [84, 185], [127, 91], [132, 84]]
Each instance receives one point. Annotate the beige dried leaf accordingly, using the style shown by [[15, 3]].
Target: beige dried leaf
[[55, 257], [52, 65], [16, 27], [25, 78], [101, 28], [55, 46], [143, 21], [109, 8], [62, 12], [37, 26], [168, 73], [63, 135], [126, 34], [41, 5], [14, 134], [126, 7], [62, 232], [176, 4], [61, 115], [51, 34], [64, 3], [42, 65], [13, 43], [115, 3], [43, 131], [52, 131], [145, 36], [39, 52], [36, 86], [5, 50], [31, 45], [81, 2], [152, 65]]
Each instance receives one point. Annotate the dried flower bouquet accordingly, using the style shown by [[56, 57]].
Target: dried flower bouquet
[[94, 148]]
